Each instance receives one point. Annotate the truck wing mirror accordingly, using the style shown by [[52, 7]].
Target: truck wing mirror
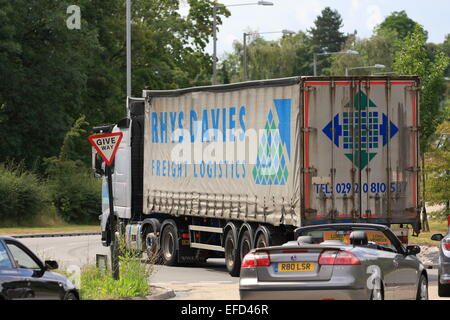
[[98, 166]]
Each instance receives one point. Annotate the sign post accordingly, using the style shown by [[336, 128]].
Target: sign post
[[106, 146]]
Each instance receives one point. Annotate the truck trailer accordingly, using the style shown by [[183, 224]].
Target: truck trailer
[[216, 171]]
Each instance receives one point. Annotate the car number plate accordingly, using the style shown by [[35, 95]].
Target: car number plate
[[294, 267]]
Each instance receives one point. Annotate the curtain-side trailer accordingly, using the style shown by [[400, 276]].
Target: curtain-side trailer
[[216, 171]]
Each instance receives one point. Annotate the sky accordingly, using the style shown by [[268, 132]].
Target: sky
[[360, 15]]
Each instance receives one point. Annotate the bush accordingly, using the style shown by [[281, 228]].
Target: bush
[[99, 284], [75, 193], [22, 194]]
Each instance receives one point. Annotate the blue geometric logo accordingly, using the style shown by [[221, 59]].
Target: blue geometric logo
[[271, 165], [362, 133]]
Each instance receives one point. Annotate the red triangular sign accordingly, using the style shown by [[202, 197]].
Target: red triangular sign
[[106, 145]]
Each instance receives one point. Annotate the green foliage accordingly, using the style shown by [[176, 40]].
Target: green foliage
[[414, 59], [378, 49], [438, 166], [400, 23], [22, 195], [44, 77], [75, 193], [75, 146], [326, 34], [52, 75], [99, 284], [289, 56], [327, 37]]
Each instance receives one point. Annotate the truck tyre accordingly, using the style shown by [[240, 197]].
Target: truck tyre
[[151, 242], [443, 289], [261, 241], [232, 258], [169, 240], [245, 245]]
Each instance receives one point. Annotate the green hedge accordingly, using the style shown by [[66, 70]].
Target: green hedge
[[22, 194], [75, 193]]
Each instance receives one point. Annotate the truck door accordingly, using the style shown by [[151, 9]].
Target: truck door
[[122, 175], [360, 151]]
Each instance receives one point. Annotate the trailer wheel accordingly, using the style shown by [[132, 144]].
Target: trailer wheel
[[261, 241], [245, 245], [232, 260], [169, 240]]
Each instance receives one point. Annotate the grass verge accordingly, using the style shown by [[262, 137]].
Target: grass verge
[[54, 229], [436, 226], [98, 284]]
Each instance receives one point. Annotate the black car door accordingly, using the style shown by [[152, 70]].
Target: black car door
[[13, 283], [40, 285]]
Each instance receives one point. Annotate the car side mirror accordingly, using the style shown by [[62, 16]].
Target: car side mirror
[[412, 250], [51, 265], [437, 237]]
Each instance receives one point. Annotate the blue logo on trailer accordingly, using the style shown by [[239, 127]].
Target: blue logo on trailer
[[271, 165], [363, 132]]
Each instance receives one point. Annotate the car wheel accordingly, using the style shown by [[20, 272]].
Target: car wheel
[[168, 245], [377, 294], [422, 290], [443, 289], [70, 296], [245, 245], [232, 260]]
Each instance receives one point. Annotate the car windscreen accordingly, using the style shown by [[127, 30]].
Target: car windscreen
[[376, 238]]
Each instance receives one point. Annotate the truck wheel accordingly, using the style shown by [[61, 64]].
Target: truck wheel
[[245, 245], [443, 289], [232, 260], [261, 241], [150, 241], [169, 240]]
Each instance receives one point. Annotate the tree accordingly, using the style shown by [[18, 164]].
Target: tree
[[399, 22], [52, 75], [43, 67], [414, 59], [291, 55], [438, 168], [326, 34]]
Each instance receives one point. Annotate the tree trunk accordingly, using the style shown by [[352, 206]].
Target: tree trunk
[[424, 215]]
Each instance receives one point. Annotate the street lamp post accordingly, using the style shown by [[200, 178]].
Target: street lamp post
[[284, 32], [259, 3], [128, 36], [376, 66], [330, 53]]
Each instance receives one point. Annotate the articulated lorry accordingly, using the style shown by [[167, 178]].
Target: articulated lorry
[[216, 171]]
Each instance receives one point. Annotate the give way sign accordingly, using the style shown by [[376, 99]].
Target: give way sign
[[106, 145]]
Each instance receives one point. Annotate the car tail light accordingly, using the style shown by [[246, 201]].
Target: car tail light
[[338, 258], [404, 239], [446, 245], [256, 259]]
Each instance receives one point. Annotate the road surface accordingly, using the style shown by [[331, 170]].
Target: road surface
[[205, 282]]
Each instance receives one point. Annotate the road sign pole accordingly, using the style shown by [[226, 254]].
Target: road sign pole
[[113, 228], [106, 145]]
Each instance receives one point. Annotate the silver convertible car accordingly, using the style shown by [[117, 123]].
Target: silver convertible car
[[444, 264], [335, 262]]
